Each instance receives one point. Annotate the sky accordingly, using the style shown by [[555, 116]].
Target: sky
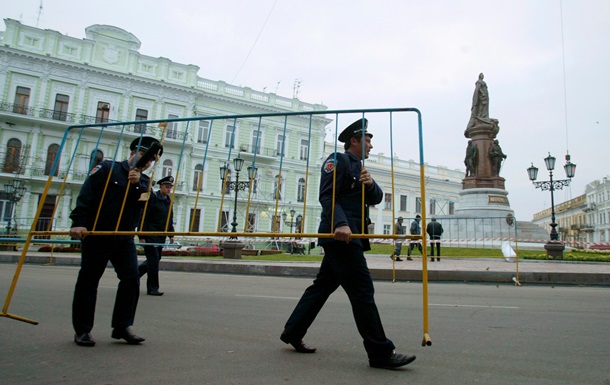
[[546, 64]]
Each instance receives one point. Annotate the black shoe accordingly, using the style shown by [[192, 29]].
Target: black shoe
[[395, 360], [127, 335], [398, 259], [298, 345], [409, 259], [84, 339], [438, 259], [156, 293], [431, 259]]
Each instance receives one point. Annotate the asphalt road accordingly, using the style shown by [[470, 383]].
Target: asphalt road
[[224, 329]]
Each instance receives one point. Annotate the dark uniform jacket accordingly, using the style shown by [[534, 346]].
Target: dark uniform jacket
[[88, 201], [155, 217], [348, 197], [434, 230]]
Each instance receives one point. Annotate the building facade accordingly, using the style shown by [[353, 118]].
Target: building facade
[[50, 81]]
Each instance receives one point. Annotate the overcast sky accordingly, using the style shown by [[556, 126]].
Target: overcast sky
[[357, 54]]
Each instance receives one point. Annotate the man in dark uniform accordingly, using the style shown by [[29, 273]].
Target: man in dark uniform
[[344, 263], [435, 230], [97, 250], [155, 219]]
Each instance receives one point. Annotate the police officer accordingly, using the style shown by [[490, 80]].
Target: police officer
[[344, 263], [155, 219], [415, 229], [115, 179]]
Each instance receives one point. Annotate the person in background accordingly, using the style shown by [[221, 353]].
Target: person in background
[[155, 219], [344, 263], [120, 250], [399, 229], [415, 229], [435, 230]]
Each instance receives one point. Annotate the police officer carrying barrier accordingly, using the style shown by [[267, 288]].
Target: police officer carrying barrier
[[125, 178], [344, 263], [155, 219]]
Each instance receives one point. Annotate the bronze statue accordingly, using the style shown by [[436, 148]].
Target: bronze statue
[[497, 156], [471, 159], [480, 103]]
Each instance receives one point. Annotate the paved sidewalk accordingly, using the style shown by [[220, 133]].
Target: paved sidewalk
[[448, 269]]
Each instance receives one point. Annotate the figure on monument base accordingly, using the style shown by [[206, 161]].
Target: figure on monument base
[[471, 160]]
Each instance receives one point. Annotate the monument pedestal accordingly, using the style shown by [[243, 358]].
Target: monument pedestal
[[232, 249], [484, 202]]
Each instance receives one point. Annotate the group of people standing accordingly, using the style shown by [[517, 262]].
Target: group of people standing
[[434, 230]]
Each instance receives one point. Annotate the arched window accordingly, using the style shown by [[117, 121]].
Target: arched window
[[51, 156], [167, 168], [97, 157], [301, 190], [196, 175], [12, 156]]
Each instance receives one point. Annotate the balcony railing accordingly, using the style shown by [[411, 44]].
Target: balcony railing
[[73, 119]]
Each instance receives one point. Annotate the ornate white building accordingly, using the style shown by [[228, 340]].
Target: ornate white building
[[50, 81]]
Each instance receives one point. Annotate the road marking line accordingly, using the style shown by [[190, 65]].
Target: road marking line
[[477, 306]]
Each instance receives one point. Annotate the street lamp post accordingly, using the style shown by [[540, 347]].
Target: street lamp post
[[291, 223], [236, 185], [14, 192], [553, 247]]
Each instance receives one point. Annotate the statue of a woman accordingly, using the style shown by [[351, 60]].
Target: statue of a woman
[[480, 102]]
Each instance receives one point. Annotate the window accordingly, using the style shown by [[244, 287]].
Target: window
[[418, 205], [224, 221], [403, 203], [230, 136], [96, 158], [140, 115], [387, 201], [256, 142], [22, 100], [277, 190], [167, 168], [172, 127], [251, 223], [432, 206], [103, 112], [451, 208], [203, 131], [12, 156], [196, 175], [195, 220], [276, 223], [301, 190], [279, 144], [304, 149], [60, 111], [51, 156], [387, 229]]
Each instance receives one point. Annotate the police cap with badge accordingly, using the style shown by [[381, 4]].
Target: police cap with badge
[[167, 180], [356, 129]]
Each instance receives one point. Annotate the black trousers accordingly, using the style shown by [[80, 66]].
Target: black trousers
[[151, 267], [343, 265], [412, 246], [96, 252], [436, 242]]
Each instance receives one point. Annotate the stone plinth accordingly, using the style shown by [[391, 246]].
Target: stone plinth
[[554, 249], [232, 249], [484, 202]]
